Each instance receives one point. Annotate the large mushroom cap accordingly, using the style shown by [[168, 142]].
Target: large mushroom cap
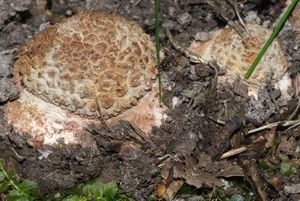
[[87, 58], [88, 66]]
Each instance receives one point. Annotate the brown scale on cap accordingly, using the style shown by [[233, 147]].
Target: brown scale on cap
[[89, 57]]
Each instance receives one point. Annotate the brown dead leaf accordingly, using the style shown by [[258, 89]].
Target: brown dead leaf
[[270, 136], [197, 177]]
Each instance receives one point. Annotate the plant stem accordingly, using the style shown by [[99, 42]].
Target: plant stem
[[271, 38], [7, 177], [157, 45]]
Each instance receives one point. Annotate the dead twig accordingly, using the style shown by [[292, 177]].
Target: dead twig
[[137, 3], [233, 152], [236, 10], [272, 125]]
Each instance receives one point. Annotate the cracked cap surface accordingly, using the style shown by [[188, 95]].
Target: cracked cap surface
[[87, 58]]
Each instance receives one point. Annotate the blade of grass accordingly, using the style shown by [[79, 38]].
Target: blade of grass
[[11, 182], [157, 45], [271, 38]]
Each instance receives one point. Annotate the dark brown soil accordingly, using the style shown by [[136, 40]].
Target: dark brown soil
[[191, 128]]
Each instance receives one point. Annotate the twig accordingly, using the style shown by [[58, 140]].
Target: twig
[[233, 152], [272, 125], [236, 10], [137, 3], [17, 155]]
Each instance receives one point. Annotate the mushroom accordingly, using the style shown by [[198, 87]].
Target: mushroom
[[89, 66], [294, 19], [236, 55]]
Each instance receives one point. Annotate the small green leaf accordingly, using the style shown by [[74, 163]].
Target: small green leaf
[[267, 166], [100, 191], [12, 176], [236, 198], [110, 190], [2, 176], [15, 195], [92, 187], [1, 163], [4, 185], [287, 170], [73, 198], [29, 187]]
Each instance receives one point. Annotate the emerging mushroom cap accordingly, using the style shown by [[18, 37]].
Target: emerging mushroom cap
[[236, 55], [87, 58]]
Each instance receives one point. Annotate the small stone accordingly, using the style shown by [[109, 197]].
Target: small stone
[[209, 17], [8, 91], [251, 17], [168, 119], [69, 12], [172, 11], [293, 189], [184, 19], [20, 6], [202, 36], [136, 17], [266, 23], [6, 58], [241, 89]]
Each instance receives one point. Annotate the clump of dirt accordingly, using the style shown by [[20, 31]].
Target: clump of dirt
[[202, 117]]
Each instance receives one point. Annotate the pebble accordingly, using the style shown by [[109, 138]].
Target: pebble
[[168, 119], [8, 91], [266, 23], [69, 12], [172, 11], [20, 6], [202, 36], [168, 24], [252, 17], [6, 58], [293, 189], [184, 19]]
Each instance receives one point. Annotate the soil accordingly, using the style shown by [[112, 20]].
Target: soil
[[206, 120]]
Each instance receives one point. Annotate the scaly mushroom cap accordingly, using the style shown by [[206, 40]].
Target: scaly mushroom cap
[[87, 58], [236, 55], [295, 18]]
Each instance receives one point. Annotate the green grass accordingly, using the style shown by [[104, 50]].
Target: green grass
[[157, 45], [12, 188], [271, 38]]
